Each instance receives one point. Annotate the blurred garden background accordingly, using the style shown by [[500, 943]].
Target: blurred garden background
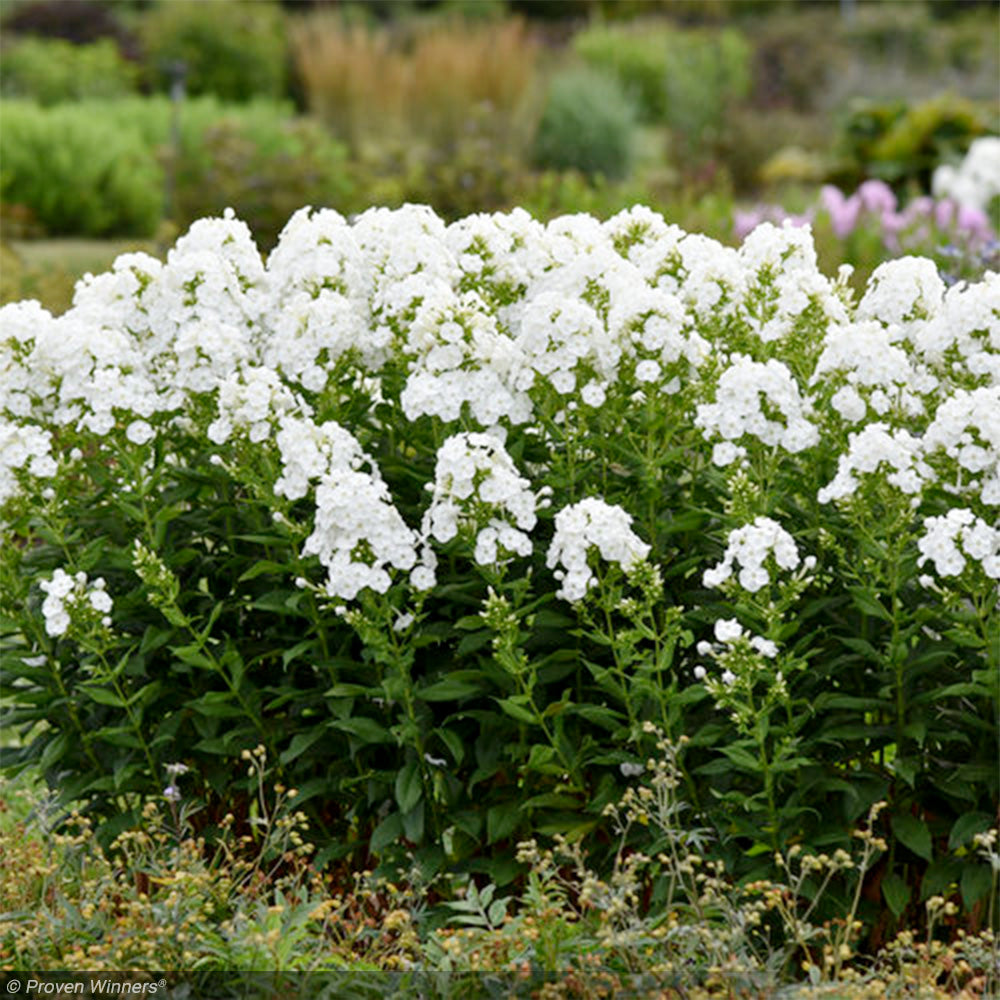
[[124, 121]]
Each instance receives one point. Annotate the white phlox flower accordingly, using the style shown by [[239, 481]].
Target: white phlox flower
[[477, 486], [750, 548], [358, 534], [71, 598], [253, 402], [949, 541], [975, 182], [783, 281], [744, 389], [564, 342], [900, 290], [580, 527], [965, 331], [877, 449], [23, 450], [873, 372], [965, 437], [459, 358]]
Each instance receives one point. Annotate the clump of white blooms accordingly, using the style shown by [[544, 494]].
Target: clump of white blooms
[[975, 182], [874, 449], [477, 486], [873, 373], [491, 324], [359, 535], [966, 429], [750, 548], [590, 525], [750, 397], [959, 535], [69, 600], [902, 290], [23, 448]]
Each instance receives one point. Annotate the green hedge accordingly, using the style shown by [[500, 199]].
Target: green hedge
[[50, 70], [108, 162]]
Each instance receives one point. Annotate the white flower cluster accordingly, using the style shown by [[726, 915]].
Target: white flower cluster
[[873, 373], [69, 598], [750, 547], [501, 321], [870, 451], [358, 534], [477, 486], [967, 429], [976, 180], [747, 391], [729, 633], [23, 447], [959, 535], [581, 527]]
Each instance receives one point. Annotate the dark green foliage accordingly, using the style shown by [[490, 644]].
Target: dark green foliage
[[902, 144], [588, 124]]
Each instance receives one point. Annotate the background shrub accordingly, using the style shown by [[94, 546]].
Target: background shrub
[[97, 178], [588, 124], [54, 70], [233, 49], [902, 144], [109, 162], [266, 166], [429, 84], [683, 78], [77, 21]]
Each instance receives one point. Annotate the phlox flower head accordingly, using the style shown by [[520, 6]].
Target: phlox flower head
[[738, 410], [591, 525], [71, 599], [901, 290], [23, 450], [949, 541], [751, 548], [876, 449], [477, 487], [963, 441], [358, 535], [976, 181]]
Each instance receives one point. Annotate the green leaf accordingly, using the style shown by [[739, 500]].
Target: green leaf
[[966, 827], [744, 760], [453, 742], [976, 882], [896, 893], [460, 684], [365, 729], [387, 832], [866, 602], [409, 786], [102, 696], [301, 742], [514, 707], [263, 566], [913, 833], [501, 821]]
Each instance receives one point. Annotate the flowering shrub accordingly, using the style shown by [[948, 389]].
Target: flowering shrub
[[445, 516]]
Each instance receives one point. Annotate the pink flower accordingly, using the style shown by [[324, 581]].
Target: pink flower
[[843, 211], [877, 197]]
